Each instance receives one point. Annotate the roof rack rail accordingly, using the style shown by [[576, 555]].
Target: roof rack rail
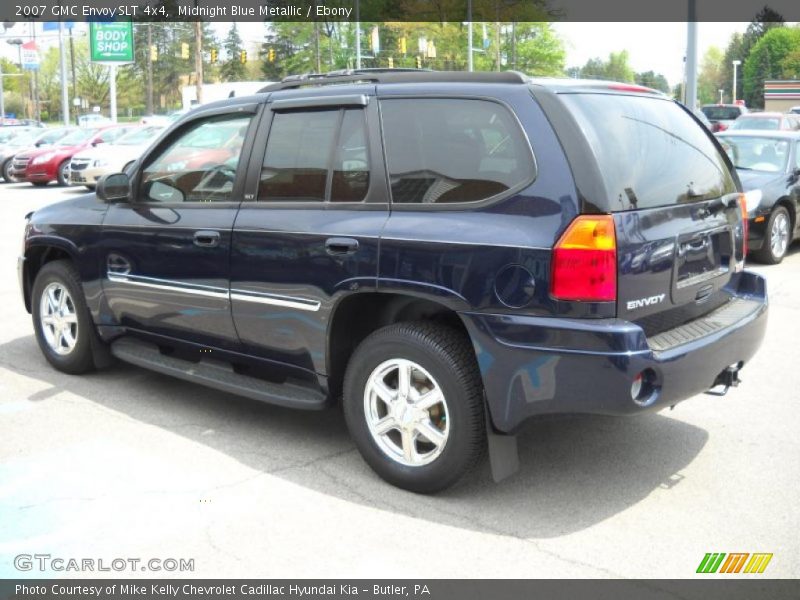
[[394, 76]]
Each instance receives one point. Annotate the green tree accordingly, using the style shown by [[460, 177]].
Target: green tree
[[766, 61], [735, 50], [711, 78], [537, 50], [233, 69], [616, 68], [653, 80]]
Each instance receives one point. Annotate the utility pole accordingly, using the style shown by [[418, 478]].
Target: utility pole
[[691, 58], [149, 65], [37, 112], [470, 65], [316, 46], [198, 59], [358, 35], [72, 65], [64, 93], [112, 91]]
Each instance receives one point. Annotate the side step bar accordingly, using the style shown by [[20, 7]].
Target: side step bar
[[217, 375]]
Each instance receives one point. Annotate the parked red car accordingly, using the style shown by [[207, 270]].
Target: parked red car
[[41, 166]]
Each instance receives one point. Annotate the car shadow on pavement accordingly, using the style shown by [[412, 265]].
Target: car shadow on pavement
[[575, 471]]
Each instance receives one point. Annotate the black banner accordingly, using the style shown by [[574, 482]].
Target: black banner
[[396, 10], [751, 588]]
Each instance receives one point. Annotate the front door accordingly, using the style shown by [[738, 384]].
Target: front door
[[166, 252]]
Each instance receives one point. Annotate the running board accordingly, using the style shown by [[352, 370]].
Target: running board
[[217, 375]]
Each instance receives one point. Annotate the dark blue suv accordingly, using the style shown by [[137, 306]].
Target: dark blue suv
[[448, 254]]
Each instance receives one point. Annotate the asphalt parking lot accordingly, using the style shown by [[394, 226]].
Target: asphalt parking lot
[[129, 464]]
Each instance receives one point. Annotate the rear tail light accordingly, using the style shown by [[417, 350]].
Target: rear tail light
[[585, 261], [721, 127], [745, 223]]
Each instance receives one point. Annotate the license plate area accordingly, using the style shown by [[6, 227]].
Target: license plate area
[[703, 264]]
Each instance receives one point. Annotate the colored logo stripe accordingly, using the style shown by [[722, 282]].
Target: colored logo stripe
[[710, 563], [733, 564], [758, 563]]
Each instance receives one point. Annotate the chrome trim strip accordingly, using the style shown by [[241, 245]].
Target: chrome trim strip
[[216, 292], [149, 282], [275, 300]]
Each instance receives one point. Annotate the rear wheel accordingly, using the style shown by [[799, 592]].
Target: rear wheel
[[413, 402], [63, 173], [777, 238], [61, 319]]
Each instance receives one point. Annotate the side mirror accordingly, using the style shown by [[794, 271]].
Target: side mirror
[[114, 187]]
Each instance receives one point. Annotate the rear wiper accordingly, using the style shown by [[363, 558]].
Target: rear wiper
[[743, 168]]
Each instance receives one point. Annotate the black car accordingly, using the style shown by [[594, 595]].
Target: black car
[[768, 163], [447, 254]]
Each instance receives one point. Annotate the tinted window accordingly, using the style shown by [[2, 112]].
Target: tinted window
[[312, 156], [722, 113], [191, 168], [449, 150], [650, 151]]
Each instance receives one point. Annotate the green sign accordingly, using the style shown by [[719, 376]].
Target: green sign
[[111, 42]]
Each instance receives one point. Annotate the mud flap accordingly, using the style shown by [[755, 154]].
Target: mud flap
[[503, 452]]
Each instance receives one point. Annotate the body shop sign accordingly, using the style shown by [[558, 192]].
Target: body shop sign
[[111, 42]]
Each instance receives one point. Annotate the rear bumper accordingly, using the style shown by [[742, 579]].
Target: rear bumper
[[533, 365]]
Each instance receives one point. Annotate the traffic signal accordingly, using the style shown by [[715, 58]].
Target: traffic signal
[[184, 50], [271, 55], [419, 62], [401, 45], [213, 55], [243, 56], [153, 53]]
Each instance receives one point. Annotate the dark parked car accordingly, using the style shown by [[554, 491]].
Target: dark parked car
[[449, 254], [723, 115], [769, 169]]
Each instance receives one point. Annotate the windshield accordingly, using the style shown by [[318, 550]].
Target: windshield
[[26, 139], [771, 124], [756, 153], [79, 136], [9, 134], [721, 113], [650, 151], [139, 136]]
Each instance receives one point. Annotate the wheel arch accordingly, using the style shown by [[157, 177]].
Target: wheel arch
[[38, 254], [358, 315], [787, 203]]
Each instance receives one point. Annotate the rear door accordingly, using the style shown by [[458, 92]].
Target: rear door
[[675, 203], [310, 235]]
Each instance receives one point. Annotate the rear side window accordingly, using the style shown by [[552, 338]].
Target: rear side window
[[721, 113], [650, 151], [316, 156], [452, 150]]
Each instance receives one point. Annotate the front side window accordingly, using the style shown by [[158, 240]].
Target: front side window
[[442, 151], [316, 156], [199, 165]]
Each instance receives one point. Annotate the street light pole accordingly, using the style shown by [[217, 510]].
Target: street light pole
[[736, 64], [720, 95], [64, 93], [470, 65]]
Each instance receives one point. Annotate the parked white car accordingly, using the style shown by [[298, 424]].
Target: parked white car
[[88, 166]]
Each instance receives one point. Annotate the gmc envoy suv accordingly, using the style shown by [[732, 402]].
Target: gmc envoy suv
[[445, 254]]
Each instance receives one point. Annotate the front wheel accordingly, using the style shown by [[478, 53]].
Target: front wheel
[[778, 237], [61, 319], [413, 402], [6, 171], [63, 173]]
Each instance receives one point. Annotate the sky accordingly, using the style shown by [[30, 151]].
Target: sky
[[659, 47]]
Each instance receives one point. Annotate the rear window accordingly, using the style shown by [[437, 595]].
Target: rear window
[[453, 150], [763, 123], [756, 153], [722, 113], [650, 151]]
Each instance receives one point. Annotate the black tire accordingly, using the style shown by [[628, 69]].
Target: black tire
[[448, 356], [79, 359], [62, 175], [39, 183], [6, 171], [767, 254]]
